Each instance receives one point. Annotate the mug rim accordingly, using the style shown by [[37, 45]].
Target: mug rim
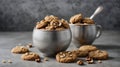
[[82, 24], [51, 30]]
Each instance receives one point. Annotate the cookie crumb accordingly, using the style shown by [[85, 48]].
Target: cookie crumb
[[80, 62], [45, 59], [29, 45], [9, 61], [37, 60], [88, 59], [3, 61], [90, 62], [99, 61]]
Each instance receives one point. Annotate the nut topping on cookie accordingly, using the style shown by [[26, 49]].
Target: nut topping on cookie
[[66, 57]]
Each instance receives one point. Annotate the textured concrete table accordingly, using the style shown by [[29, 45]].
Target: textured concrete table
[[110, 41]]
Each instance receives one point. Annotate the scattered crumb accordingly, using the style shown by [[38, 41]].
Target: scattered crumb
[[45, 59], [3, 61], [99, 61], [29, 45], [37, 60], [9, 61], [80, 62], [90, 62], [88, 59]]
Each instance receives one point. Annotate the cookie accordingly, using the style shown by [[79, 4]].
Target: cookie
[[49, 28], [66, 57], [88, 21], [81, 53], [51, 18], [20, 49], [30, 56], [64, 23], [54, 23], [88, 48], [76, 19], [99, 54], [59, 28], [42, 24]]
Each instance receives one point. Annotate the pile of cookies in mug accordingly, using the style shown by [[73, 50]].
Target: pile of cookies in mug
[[89, 52], [52, 23]]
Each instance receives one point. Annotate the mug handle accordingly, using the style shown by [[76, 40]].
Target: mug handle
[[99, 31]]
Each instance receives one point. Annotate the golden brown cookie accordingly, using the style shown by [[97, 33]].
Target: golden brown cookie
[[54, 23], [30, 56], [19, 49], [49, 28], [51, 18], [88, 48], [42, 24], [76, 19], [66, 57], [59, 28], [98, 54], [88, 21], [81, 53], [64, 23]]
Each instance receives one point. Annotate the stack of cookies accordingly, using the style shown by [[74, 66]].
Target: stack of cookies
[[79, 19], [89, 51], [52, 23]]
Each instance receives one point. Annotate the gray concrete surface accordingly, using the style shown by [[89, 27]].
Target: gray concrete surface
[[22, 15], [109, 41]]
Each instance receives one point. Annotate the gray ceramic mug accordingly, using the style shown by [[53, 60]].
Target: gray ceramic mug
[[85, 34], [51, 42]]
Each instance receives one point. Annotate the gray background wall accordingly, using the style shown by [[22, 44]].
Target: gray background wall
[[22, 15]]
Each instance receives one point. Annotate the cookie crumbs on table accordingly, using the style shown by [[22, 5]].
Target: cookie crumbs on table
[[80, 62], [90, 62], [29, 45], [4, 61], [46, 59], [38, 60], [9, 61], [88, 58], [99, 61]]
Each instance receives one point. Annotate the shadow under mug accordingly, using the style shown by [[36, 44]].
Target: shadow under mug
[[85, 34]]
